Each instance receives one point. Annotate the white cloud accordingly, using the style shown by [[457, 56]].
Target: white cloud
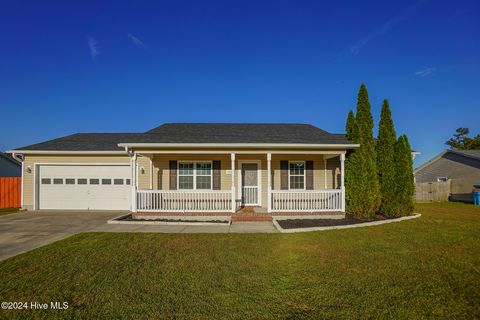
[[139, 43], [93, 46], [425, 72]]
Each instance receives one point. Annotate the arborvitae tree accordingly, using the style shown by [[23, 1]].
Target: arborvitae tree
[[361, 180], [404, 177], [385, 161], [350, 126]]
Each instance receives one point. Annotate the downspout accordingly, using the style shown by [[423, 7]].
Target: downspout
[[21, 179]]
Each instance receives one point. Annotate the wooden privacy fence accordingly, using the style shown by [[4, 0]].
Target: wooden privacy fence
[[432, 191], [10, 192]]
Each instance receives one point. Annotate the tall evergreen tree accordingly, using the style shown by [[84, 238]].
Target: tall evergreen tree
[[385, 161], [361, 180], [350, 126], [405, 189]]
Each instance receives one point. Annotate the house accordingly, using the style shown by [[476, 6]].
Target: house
[[9, 167], [462, 167], [189, 169]]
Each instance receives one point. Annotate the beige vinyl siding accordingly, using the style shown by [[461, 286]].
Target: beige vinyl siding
[[332, 172], [32, 160], [161, 170], [159, 174], [143, 161]]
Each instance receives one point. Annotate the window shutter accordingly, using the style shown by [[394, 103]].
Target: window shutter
[[284, 174], [173, 174], [216, 176], [309, 175]]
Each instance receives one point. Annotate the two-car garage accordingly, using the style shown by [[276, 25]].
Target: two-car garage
[[83, 187]]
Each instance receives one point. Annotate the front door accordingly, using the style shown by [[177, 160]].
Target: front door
[[250, 183]]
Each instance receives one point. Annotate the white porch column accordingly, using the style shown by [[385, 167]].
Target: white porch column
[[269, 182], [232, 158], [342, 168], [133, 164], [151, 172]]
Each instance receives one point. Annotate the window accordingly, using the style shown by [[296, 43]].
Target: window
[[46, 181], [94, 181], [69, 181], [118, 181], [442, 179], [106, 181], [127, 181], [195, 175], [185, 175], [81, 181], [57, 181], [204, 175], [296, 174]]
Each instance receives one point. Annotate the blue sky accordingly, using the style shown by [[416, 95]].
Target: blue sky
[[114, 66]]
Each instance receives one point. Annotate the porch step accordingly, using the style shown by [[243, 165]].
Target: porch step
[[251, 217]]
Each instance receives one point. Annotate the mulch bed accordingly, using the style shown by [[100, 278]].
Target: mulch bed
[[309, 223], [130, 218]]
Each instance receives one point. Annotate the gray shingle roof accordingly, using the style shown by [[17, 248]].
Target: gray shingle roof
[[9, 158], [468, 153], [195, 133], [243, 133]]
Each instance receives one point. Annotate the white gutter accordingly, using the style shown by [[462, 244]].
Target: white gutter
[[128, 146], [63, 152], [238, 145]]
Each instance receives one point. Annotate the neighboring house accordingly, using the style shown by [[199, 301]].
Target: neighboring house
[[9, 167], [462, 167], [190, 168]]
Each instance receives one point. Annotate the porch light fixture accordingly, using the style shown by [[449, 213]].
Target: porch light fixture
[[29, 169], [142, 170]]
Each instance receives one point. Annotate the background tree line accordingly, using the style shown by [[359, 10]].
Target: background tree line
[[461, 141]]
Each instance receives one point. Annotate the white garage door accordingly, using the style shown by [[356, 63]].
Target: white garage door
[[85, 187]]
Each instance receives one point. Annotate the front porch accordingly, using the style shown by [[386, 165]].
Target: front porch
[[214, 201], [278, 183]]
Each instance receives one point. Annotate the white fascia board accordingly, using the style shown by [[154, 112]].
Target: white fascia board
[[63, 152], [239, 145]]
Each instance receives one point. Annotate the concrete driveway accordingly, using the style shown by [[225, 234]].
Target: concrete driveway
[[24, 231]]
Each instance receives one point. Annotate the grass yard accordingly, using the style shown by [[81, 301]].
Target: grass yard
[[421, 268]]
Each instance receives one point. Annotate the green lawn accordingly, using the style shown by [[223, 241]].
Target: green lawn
[[8, 211], [421, 268]]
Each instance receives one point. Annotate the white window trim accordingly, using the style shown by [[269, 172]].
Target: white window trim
[[195, 173], [442, 179], [297, 175]]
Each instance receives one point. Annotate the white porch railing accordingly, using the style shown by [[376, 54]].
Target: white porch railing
[[184, 200], [306, 200]]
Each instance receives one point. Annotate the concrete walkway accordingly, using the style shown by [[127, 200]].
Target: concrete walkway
[[24, 231]]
